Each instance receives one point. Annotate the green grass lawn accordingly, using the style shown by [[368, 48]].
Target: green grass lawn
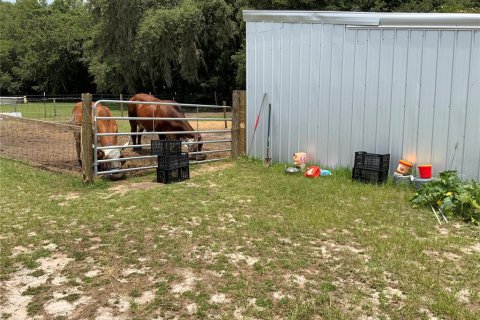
[[235, 241], [59, 111], [62, 111]]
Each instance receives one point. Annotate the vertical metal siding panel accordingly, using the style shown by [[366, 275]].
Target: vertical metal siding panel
[[413, 87], [261, 47], [359, 90], [333, 139], [256, 91], [261, 62], [427, 96], [458, 99], [398, 94], [286, 84], [326, 64], [471, 158], [295, 107], [442, 100], [313, 109], [347, 98], [371, 90], [267, 59], [277, 113], [384, 92], [265, 31], [303, 86], [317, 113], [250, 78]]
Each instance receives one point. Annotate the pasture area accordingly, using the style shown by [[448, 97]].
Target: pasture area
[[236, 241]]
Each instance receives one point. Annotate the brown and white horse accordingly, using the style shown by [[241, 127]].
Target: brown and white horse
[[103, 126]]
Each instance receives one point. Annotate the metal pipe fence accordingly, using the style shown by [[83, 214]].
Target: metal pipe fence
[[218, 142]]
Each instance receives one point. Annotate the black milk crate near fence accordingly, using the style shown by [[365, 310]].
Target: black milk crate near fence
[[371, 161], [166, 147], [175, 175], [370, 176], [173, 161]]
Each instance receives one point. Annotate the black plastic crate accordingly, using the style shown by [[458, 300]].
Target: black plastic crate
[[173, 162], [166, 147], [371, 161], [175, 175], [368, 175]]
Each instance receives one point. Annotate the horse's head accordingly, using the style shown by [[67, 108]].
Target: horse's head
[[196, 147], [112, 154]]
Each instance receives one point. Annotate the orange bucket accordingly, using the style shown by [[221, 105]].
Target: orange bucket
[[425, 171], [404, 167]]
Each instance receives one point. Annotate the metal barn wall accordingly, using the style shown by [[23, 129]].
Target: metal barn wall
[[337, 88]]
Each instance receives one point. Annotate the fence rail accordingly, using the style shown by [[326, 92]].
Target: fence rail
[[183, 143]]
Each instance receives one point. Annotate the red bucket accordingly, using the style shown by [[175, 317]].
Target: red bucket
[[425, 171]]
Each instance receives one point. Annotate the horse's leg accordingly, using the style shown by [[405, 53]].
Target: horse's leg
[[133, 127], [139, 139]]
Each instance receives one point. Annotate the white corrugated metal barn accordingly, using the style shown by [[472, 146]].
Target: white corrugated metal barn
[[340, 82]]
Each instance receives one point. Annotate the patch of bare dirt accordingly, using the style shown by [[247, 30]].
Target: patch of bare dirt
[[236, 257], [15, 302], [20, 250], [212, 168], [105, 313], [121, 189], [475, 248], [463, 296], [192, 308], [218, 298], [62, 308], [187, 284]]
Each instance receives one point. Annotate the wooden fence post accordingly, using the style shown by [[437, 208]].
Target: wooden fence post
[[225, 113], [121, 104], [87, 139], [239, 112]]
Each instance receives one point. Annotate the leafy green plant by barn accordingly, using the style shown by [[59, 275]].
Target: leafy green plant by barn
[[452, 196]]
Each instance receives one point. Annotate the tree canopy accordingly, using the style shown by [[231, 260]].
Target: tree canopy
[[69, 46]]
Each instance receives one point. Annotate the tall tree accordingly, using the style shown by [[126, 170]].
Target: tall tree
[[148, 44], [8, 82], [111, 49], [43, 51]]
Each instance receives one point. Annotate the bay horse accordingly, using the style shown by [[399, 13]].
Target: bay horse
[[162, 111]]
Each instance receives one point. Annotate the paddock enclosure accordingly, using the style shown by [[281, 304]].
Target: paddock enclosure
[[43, 135], [43, 143], [407, 84]]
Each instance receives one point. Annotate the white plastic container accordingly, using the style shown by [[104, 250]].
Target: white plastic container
[[300, 159]]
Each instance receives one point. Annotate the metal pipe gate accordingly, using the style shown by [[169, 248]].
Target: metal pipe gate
[[96, 147]]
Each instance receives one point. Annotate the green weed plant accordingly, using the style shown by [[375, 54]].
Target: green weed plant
[[451, 195]]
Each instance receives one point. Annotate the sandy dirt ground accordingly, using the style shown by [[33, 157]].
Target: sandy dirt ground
[[39, 143]]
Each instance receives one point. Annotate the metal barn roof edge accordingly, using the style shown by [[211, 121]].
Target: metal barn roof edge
[[368, 19]]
